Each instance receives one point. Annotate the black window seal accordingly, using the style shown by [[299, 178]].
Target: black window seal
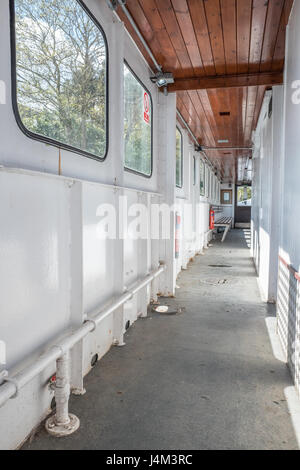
[[130, 170], [181, 162], [41, 138]]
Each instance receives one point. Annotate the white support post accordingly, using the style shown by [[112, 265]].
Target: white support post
[[154, 224], [117, 149], [118, 334], [167, 184], [144, 245], [77, 313], [62, 423]]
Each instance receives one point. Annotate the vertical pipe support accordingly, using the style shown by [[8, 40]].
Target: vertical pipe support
[[62, 423]]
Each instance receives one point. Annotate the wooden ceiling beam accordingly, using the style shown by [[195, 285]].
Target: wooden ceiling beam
[[227, 81]]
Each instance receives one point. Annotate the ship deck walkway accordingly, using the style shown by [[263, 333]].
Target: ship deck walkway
[[203, 378]]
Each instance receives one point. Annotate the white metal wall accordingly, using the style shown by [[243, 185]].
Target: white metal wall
[[290, 200], [275, 217], [192, 208], [54, 268], [266, 204]]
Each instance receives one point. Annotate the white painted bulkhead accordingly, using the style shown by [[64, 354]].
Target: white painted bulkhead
[[193, 209], [276, 200]]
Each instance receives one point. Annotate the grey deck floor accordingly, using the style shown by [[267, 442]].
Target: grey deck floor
[[204, 379]]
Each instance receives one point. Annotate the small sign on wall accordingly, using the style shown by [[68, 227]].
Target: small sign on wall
[[146, 108], [226, 196]]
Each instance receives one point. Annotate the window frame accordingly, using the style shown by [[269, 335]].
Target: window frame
[[41, 138], [202, 164], [129, 170], [211, 186], [206, 181], [177, 186], [238, 204]]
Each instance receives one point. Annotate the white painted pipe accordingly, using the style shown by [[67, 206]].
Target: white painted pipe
[[141, 38], [62, 389], [11, 386], [62, 423]]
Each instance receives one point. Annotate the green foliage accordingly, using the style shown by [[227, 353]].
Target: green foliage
[[244, 195], [61, 73]]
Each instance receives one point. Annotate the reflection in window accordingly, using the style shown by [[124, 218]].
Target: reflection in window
[[202, 178], [178, 158], [61, 60], [137, 125], [244, 196]]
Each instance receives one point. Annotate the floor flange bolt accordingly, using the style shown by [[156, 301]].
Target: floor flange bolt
[[60, 430]]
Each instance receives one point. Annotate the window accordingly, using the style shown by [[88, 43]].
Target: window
[[179, 158], [206, 181], [244, 196], [202, 178], [218, 192], [137, 125], [60, 83], [211, 186], [195, 167]]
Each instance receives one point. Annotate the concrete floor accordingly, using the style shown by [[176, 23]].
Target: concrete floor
[[203, 379]]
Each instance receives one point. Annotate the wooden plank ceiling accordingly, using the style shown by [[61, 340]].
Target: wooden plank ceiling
[[211, 46]]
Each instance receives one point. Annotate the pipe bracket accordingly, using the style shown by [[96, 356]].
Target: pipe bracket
[[15, 383], [93, 322]]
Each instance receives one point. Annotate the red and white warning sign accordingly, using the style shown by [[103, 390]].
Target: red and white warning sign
[[146, 108]]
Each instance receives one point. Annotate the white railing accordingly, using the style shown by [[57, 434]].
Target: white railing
[[62, 423]]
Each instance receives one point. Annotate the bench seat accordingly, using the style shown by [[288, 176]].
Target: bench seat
[[224, 222]]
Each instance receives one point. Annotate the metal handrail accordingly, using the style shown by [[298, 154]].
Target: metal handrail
[[11, 386]]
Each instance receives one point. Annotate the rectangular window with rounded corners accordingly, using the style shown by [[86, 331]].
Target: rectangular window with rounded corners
[[179, 159], [211, 186], [206, 181], [214, 190], [59, 69], [244, 196], [138, 132], [215, 187], [202, 178]]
